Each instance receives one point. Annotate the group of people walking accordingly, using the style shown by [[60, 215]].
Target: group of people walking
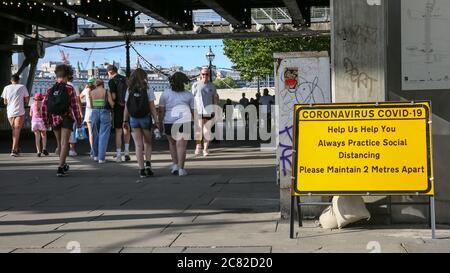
[[128, 106]]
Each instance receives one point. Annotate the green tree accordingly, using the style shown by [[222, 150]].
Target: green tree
[[254, 57]]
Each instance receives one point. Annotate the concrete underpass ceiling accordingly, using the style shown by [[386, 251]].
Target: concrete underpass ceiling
[[109, 20]]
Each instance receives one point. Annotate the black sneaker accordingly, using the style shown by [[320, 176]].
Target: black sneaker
[[149, 172], [38, 154], [127, 158], [45, 152], [61, 172], [66, 167], [148, 168], [143, 173]]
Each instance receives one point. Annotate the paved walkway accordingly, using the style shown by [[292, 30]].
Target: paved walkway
[[228, 203]]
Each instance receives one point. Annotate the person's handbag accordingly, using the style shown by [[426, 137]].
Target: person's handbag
[[80, 133]]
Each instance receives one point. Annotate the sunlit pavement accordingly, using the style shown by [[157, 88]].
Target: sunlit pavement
[[228, 203]]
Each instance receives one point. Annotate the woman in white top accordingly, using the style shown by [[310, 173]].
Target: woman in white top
[[176, 108], [87, 114]]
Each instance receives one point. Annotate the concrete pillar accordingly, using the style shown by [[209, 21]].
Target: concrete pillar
[[5, 59], [358, 50]]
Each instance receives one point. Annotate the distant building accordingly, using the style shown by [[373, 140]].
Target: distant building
[[222, 74], [157, 77], [49, 67]]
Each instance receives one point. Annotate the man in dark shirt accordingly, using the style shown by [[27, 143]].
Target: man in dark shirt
[[118, 87], [244, 102]]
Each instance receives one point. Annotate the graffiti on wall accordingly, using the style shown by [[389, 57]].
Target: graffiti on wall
[[300, 81], [360, 78]]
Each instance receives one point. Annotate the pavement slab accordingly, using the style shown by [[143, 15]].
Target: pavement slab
[[228, 250], [115, 239], [229, 203]]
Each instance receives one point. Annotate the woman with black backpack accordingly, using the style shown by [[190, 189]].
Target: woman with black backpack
[[60, 110], [139, 110]]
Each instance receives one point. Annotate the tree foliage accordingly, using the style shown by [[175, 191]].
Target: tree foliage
[[254, 57]]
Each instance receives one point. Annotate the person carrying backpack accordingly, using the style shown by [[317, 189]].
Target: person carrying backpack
[[60, 111], [118, 87], [138, 113], [139, 110]]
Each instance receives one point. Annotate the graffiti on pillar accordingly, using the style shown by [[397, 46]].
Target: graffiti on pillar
[[357, 37], [299, 89], [286, 151], [291, 78], [358, 77], [299, 81]]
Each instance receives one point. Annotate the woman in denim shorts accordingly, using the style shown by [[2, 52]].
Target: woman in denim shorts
[[140, 122]]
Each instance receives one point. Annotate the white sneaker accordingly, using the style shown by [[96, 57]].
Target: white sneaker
[[101, 161], [119, 158], [174, 169], [198, 150], [95, 158], [182, 172], [72, 153]]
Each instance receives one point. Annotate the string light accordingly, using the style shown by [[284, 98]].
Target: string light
[[175, 46], [42, 6]]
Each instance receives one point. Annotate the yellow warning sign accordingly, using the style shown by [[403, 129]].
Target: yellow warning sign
[[359, 149]]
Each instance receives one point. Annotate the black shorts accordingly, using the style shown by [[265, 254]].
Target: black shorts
[[66, 123], [182, 127], [208, 117], [118, 116]]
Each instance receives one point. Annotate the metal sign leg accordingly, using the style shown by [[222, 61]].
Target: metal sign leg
[[292, 218], [299, 212], [433, 218]]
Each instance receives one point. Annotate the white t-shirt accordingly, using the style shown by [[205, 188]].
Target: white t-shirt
[[15, 94], [177, 106], [204, 94], [85, 93]]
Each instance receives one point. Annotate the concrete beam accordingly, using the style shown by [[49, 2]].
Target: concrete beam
[[209, 32], [295, 12], [300, 10], [172, 13], [41, 16], [106, 13], [237, 13], [15, 26], [5, 58]]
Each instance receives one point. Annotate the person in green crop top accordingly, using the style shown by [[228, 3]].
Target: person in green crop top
[[101, 101]]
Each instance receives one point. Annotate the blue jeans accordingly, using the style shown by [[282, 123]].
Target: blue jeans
[[101, 129]]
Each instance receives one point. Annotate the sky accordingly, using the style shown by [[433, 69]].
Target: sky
[[163, 53]]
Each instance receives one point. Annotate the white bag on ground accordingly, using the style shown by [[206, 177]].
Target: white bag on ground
[[349, 209], [327, 219]]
